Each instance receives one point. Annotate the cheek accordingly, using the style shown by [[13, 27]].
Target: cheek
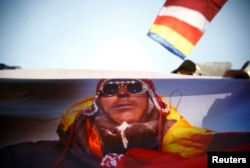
[[106, 103], [143, 103]]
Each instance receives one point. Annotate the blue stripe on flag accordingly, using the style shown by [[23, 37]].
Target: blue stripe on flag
[[166, 44]]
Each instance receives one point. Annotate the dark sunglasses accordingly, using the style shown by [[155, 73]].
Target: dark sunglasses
[[111, 87]]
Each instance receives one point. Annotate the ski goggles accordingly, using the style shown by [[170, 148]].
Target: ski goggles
[[111, 87]]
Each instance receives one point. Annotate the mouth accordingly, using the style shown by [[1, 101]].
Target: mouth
[[123, 106]]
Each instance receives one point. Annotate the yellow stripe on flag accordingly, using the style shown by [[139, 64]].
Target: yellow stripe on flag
[[172, 37]]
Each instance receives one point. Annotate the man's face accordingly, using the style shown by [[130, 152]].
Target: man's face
[[125, 106]]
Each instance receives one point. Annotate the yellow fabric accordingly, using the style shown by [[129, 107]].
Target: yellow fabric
[[73, 112], [174, 38], [173, 114], [185, 139], [69, 118]]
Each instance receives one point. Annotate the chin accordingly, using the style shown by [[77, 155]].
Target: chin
[[128, 120], [128, 117]]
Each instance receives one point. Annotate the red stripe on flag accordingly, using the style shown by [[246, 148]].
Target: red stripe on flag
[[209, 8], [189, 32]]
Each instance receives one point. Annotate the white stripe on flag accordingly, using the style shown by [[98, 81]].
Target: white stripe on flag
[[190, 16]]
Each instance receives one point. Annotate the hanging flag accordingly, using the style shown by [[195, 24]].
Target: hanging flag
[[181, 23]]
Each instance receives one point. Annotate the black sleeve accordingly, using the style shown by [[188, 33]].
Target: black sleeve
[[29, 155], [41, 154], [16, 155]]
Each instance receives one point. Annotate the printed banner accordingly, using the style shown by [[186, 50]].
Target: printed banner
[[124, 122]]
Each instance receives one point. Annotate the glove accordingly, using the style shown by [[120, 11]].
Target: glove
[[186, 140]]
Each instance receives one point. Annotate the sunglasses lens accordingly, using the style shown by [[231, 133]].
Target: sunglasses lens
[[134, 87], [110, 89]]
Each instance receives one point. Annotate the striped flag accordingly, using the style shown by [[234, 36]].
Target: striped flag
[[181, 23]]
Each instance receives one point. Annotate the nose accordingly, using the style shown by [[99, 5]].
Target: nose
[[122, 92]]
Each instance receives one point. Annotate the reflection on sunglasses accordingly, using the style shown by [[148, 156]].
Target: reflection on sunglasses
[[111, 87]]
